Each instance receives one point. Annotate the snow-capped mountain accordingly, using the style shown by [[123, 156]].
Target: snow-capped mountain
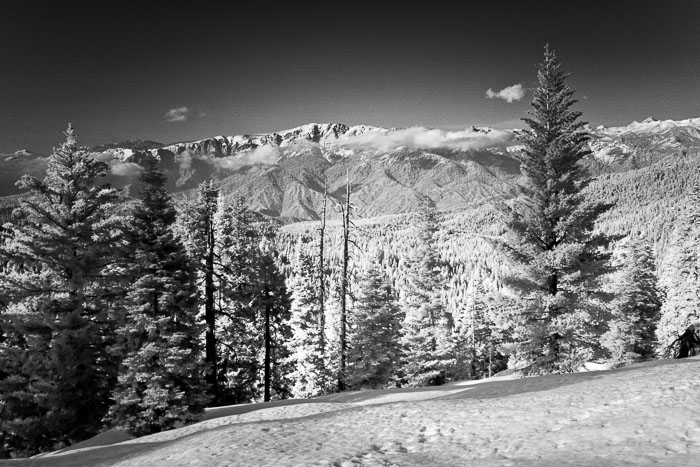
[[642, 143], [282, 173]]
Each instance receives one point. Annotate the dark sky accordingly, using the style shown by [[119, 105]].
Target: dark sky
[[114, 69]]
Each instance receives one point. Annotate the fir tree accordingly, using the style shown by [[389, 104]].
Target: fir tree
[[635, 308], [271, 305], [311, 376], [161, 380], [427, 327], [202, 235], [237, 332], [61, 275], [681, 277], [551, 236], [374, 350], [477, 337]]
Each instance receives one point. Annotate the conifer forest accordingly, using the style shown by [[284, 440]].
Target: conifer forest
[[136, 307]]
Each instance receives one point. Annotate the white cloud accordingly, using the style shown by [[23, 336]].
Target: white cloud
[[261, 155], [509, 94], [125, 169], [117, 166], [423, 138], [179, 114]]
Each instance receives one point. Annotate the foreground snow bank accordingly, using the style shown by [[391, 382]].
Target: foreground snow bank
[[639, 415]]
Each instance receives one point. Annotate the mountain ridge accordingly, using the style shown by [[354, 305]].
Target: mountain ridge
[[282, 174]]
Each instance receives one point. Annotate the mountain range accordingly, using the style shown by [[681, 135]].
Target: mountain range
[[282, 174]]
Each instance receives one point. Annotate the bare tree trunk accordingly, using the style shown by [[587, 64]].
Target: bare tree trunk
[[322, 273], [268, 346], [344, 286]]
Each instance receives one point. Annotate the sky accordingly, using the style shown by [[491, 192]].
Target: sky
[[180, 71]]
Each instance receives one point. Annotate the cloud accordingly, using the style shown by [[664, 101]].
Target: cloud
[[117, 166], [423, 138], [125, 169], [179, 114], [509, 94], [261, 155]]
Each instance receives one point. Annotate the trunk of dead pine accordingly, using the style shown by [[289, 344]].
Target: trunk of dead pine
[[321, 274], [344, 287], [268, 347]]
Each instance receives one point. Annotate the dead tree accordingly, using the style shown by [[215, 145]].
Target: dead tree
[[322, 272], [344, 284]]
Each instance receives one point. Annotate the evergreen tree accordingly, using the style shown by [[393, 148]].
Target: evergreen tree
[[374, 349], [311, 376], [681, 277], [61, 275], [427, 327], [161, 381], [237, 331], [635, 308], [476, 337], [202, 236], [555, 325], [271, 305]]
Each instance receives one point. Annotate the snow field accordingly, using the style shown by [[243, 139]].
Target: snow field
[[646, 414]]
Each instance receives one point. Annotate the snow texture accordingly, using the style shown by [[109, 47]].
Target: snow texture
[[644, 414]]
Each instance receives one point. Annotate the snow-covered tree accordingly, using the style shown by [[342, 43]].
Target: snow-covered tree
[[636, 306], [681, 277], [271, 307], [60, 277], [427, 327], [311, 375], [476, 336], [550, 237], [373, 348], [203, 237], [161, 381]]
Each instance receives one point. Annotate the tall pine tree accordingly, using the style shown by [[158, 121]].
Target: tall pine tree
[[61, 277], [636, 306], [203, 234], [161, 380], [681, 277], [373, 348], [311, 375], [555, 323], [427, 326]]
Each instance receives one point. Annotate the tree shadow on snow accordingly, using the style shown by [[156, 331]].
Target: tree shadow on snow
[[504, 388], [104, 455]]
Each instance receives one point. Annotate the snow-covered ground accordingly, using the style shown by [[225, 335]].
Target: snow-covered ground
[[639, 415]]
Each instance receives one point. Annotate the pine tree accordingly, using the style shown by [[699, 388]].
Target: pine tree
[[161, 380], [635, 308], [681, 277], [555, 325], [271, 305], [311, 376], [374, 349], [427, 327], [203, 237], [237, 331], [477, 337], [61, 276]]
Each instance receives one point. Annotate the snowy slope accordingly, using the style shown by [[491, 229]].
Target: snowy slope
[[644, 414]]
